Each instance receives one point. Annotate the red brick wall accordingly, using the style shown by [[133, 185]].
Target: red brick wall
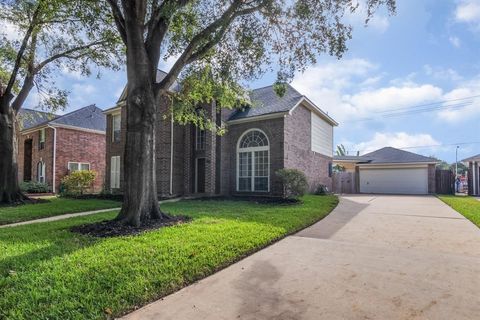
[[298, 150], [80, 146], [45, 155]]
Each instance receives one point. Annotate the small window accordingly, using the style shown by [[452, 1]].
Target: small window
[[115, 172], [330, 169], [116, 127], [41, 139], [41, 172], [200, 139], [76, 166]]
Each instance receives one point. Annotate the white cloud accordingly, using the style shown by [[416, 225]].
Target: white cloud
[[167, 64], [462, 109], [396, 140], [455, 41], [379, 23], [468, 11], [440, 73], [81, 95], [327, 85]]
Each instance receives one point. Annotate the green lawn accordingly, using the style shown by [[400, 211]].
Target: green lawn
[[54, 207], [467, 206], [47, 272]]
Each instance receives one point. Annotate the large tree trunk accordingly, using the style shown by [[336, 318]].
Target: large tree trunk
[[140, 203], [9, 188]]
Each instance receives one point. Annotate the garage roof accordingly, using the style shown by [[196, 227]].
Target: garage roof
[[393, 155], [474, 158]]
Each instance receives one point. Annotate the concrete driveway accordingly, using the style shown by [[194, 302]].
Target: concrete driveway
[[374, 257]]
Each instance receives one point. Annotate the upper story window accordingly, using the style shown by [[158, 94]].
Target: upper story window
[[253, 162], [41, 139], [78, 166], [116, 127], [199, 139]]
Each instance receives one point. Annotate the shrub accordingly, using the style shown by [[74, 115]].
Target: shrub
[[294, 182], [321, 189], [77, 182], [34, 187]]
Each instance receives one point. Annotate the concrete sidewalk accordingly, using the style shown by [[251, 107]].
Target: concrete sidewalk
[[373, 257], [72, 215]]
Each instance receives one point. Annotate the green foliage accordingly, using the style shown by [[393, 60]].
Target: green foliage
[[77, 182], [74, 36], [34, 187], [52, 207], [469, 207], [294, 182], [341, 151], [47, 271], [321, 190]]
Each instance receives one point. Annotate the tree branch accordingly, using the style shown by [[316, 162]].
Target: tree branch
[[119, 19], [67, 54], [21, 52]]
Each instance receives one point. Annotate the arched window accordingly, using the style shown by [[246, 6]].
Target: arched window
[[41, 172], [253, 162]]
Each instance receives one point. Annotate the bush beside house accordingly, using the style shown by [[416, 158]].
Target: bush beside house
[[294, 183], [77, 182]]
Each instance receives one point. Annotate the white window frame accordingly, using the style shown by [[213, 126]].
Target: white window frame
[[200, 138], [41, 139], [252, 150], [114, 116], [41, 173], [79, 164], [115, 172]]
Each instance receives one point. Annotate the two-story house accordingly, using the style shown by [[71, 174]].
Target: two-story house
[[279, 132], [50, 146]]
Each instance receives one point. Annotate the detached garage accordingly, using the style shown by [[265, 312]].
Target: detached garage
[[393, 171]]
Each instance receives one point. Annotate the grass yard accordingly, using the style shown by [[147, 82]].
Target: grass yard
[[54, 207], [47, 272], [469, 207]]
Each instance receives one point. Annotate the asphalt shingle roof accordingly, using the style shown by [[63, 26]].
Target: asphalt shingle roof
[[352, 158], [266, 101], [393, 155], [474, 158], [29, 118], [89, 117]]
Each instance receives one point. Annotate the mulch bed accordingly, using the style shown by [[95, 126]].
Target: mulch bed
[[113, 228], [256, 199]]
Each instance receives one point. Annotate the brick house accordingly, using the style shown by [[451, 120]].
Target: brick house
[[286, 132], [50, 146]]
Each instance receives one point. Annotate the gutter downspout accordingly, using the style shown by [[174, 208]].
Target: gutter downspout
[[54, 155], [171, 155]]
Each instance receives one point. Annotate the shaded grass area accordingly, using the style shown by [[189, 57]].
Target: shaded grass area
[[52, 207], [469, 207], [48, 272]]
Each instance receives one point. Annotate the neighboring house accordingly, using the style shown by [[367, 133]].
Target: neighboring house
[[50, 146], [286, 132], [473, 164], [392, 171]]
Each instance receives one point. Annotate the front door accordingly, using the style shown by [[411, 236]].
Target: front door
[[27, 160], [200, 175]]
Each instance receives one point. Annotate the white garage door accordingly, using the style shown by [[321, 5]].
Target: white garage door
[[400, 181]]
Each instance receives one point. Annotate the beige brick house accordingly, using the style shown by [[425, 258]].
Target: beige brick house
[[286, 132]]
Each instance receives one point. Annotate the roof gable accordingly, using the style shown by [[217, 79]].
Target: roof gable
[[393, 155], [89, 117], [266, 101]]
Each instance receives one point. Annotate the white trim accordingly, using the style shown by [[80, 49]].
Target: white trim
[[115, 174], [64, 126], [312, 107], [171, 155], [115, 109], [395, 165], [258, 118], [79, 165], [252, 150], [54, 157]]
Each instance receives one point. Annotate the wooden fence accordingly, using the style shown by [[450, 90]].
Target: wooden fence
[[344, 182], [445, 182]]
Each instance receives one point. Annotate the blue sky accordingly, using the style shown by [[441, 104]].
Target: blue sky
[[428, 53]]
